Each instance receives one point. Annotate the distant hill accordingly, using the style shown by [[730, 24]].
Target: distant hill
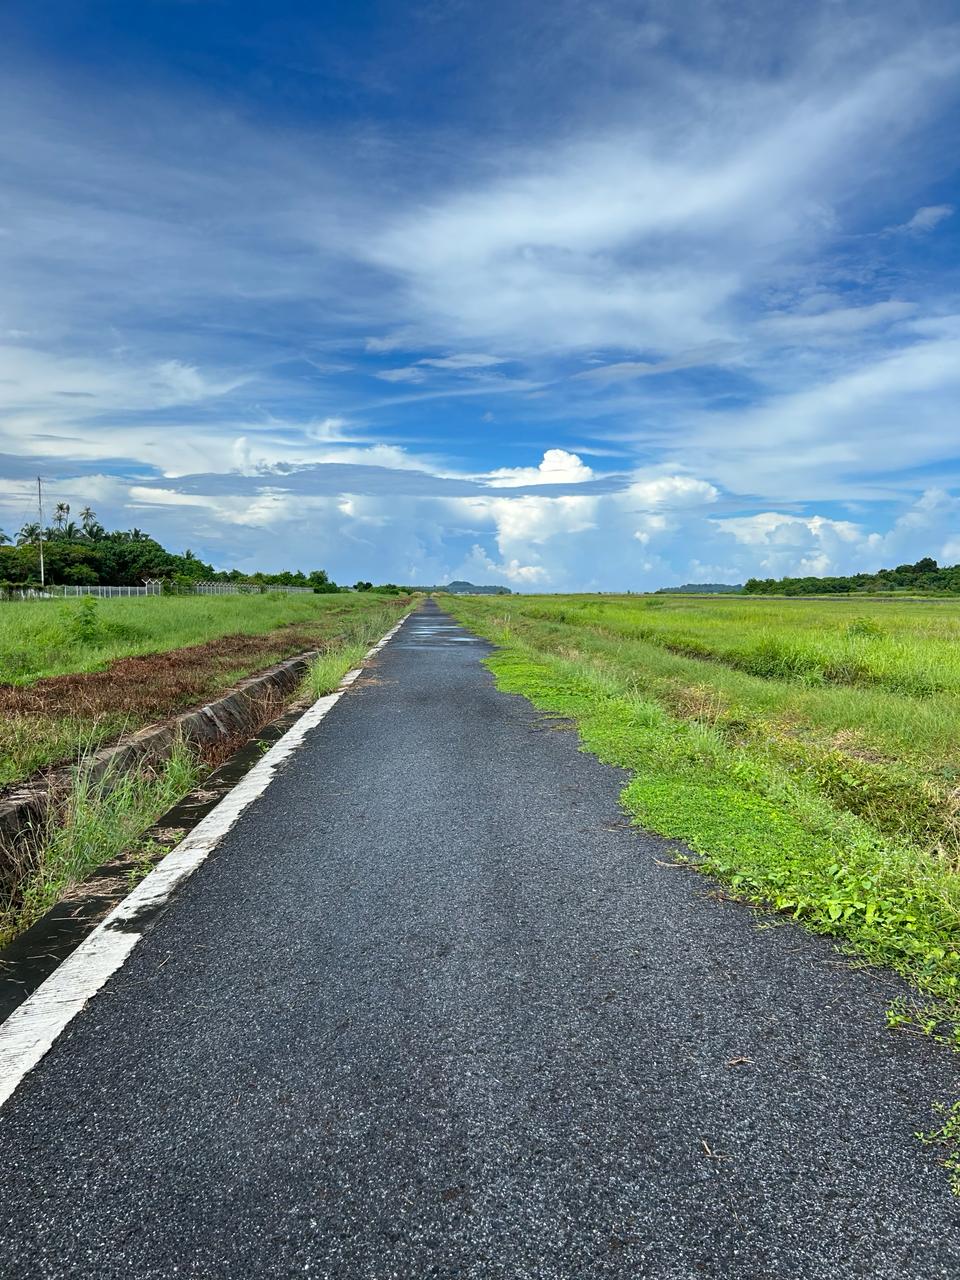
[[471, 589], [702, 589]]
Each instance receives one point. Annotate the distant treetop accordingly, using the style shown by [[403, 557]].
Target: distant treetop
[[702, 589], [88, 555], [925, 575]]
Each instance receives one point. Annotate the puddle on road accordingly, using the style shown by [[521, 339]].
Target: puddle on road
[[432, 635]]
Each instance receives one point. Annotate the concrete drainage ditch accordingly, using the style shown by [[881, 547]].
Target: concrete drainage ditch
[[247, 718]]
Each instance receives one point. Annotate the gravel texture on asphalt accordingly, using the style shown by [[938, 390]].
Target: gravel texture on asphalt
[[434, 1009]]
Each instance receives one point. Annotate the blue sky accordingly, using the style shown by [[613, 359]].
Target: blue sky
[[564, 295]]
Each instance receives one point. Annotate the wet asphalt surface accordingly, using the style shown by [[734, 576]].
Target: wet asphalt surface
[[433, 1009]]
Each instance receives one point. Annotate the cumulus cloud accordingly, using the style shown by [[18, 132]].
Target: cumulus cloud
[[557, 467], [523, 576], [670, 491], [772, 528], [783, 544], [529, 520]]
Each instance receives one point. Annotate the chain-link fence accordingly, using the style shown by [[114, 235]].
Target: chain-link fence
[[242, 589], [155, 587]]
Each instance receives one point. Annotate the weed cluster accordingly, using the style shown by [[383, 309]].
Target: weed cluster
[[105, 688], [796, 811], [329, 668], [105, 815], [41, 638], [100, 818]]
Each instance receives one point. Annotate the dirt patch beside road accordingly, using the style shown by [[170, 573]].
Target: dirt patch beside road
[[42, 724], [148, 685]]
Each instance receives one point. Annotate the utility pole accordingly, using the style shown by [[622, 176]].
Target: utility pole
[[40, 535]]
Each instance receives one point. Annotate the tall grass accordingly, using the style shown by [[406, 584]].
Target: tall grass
[[45, 638], [40, 725], [875, 720], [97, 821], [907, 647], [837, 803], [106, 816], [329, 668]]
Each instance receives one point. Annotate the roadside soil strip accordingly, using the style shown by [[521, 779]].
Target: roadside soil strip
[[236, 713], [33, 1028]]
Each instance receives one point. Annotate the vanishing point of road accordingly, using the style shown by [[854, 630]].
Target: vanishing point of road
[[433, 1008]]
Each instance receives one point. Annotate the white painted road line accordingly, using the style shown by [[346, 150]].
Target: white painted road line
[[32, 1028]]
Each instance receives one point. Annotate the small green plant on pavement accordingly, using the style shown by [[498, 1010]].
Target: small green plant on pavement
[[947, 1136]]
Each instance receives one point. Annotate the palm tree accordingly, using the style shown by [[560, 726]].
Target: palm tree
[[70, 532], [92, 528], [60, 513], [3, 538], [29, 533]]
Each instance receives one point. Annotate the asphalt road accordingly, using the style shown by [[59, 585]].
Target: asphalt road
[[433, 1009]]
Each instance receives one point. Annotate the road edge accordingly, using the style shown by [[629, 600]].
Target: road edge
[[33, 1028]]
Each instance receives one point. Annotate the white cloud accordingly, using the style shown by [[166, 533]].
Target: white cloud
[[836, 321], [667, 222], [79, 386], [928, 217], [650, 527], [418, 371], [328, 430], [844, 436], [670, 491], [531, 520], [557, 467], [770, 528], [462, 361], [480, 565], [627, 370], [407, 373], [632, 235]]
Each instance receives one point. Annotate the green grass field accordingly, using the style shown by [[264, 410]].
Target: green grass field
[[79, 673], [117, 666], [807, 751], [47, 638]]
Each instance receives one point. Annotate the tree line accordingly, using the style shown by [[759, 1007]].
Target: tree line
[[924, 576], [85, 554]]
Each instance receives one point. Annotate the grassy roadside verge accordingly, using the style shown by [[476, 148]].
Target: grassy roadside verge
[[39, 639], [98, 822], [904, 648], [838, 858], [111, 690]]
